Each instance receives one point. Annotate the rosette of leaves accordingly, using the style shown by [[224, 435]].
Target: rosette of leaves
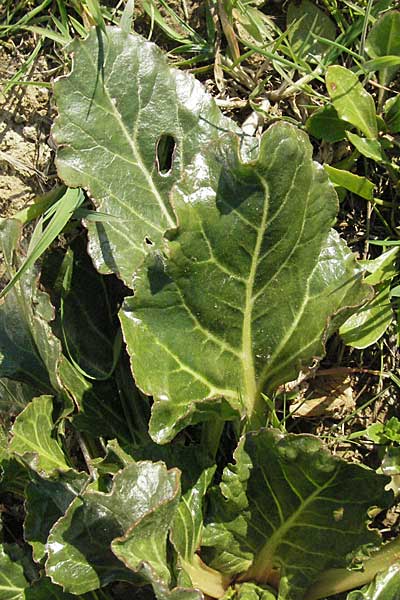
[[236, 279]]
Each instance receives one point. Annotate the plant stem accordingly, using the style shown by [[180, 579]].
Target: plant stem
[[335, 581]]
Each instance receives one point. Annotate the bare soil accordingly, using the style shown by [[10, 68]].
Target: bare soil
[[26, 159]]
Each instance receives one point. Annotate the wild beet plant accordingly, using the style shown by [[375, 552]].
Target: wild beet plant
[[214, 256]]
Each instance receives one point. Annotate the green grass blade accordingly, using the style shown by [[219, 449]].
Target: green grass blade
[[63, 210]]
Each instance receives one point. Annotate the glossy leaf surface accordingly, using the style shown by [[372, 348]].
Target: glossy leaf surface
[[115, 107], [352, 182], [386, 586], [289, 510], [79, 545], [32, 438], [46, 501], [370, 148], [241, 300]]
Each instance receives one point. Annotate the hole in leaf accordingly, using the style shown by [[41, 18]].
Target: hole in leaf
[[165, 152], [148, 241]]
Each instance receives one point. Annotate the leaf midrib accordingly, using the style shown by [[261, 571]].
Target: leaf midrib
[[249, 372], [263, 563], [170, 221]]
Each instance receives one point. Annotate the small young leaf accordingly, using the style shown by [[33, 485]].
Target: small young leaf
[[59, 215], [32, 438], [188, 521], [351, 101], [369, 323], [382, 268], [325, 124], [384, 40], [367, 147], [352, 182]]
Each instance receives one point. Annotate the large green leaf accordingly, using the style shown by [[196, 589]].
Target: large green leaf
[[384, 40], [12, 579], [352, 102], [32, 438], [249, 281], [79, 545], [116, 109], [288, 510]]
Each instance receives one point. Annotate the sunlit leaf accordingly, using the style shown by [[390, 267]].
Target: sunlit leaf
[[351, 101], [228, 316], [288, 510]]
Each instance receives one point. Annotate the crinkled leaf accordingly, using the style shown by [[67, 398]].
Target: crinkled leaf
[[12, 579], [306, 21], [143, 548], [384, 40], [79, 545], [32, 438], [324, 124], [250, 591], [46, 500], [290, 510], [250, 279], [351, 101], [119, 101], [352, 182]]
